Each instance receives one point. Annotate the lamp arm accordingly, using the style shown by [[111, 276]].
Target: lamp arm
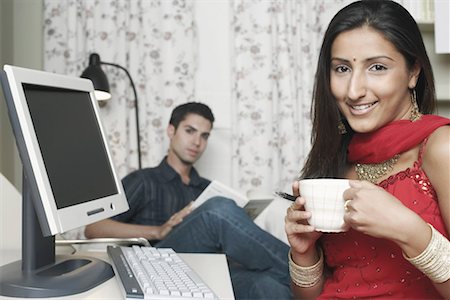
[[138, 138]]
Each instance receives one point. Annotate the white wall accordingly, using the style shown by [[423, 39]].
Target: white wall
[[442, 26], [21, 45], [441, 70], [213, 85]]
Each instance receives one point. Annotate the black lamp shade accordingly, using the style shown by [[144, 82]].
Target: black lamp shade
[[95, 73]]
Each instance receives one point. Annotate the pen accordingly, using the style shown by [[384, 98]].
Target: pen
[[286, 196]]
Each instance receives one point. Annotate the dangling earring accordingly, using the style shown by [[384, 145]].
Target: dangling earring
[[341, 128], [415, 113]]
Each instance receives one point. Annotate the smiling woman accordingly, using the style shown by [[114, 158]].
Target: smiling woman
[[373, 88], [375, 80]]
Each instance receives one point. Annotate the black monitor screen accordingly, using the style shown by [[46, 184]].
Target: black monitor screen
[[74, 155]]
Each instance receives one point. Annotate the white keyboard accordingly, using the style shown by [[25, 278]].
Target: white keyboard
[[156, 273]]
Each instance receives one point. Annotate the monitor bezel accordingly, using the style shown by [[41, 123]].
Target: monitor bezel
[[56, 220]]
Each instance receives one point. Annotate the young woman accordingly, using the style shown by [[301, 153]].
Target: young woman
[[372, 123]]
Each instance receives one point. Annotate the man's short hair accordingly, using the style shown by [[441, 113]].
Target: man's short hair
[[180, 112]]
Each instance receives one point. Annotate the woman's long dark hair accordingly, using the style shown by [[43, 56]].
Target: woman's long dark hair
[[328, 156]]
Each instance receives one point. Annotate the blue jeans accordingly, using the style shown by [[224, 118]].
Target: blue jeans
[[258, 260]]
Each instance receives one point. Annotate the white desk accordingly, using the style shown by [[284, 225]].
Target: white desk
[[212, 268]]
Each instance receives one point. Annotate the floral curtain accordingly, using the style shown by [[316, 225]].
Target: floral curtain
[[275, 45], [154, 40]]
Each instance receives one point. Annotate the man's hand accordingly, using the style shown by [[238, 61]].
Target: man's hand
[[173, 221]]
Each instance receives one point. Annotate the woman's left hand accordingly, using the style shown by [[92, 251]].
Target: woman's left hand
[[373, 211]]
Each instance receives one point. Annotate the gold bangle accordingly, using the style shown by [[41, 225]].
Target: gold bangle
[[434, 261], [306, 277]]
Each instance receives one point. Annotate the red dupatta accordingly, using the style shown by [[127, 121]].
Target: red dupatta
[[394, 138]]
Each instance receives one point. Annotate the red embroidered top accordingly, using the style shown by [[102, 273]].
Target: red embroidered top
[[367, 267]]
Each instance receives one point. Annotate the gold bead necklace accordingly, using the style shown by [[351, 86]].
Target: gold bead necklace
[[372, 172]]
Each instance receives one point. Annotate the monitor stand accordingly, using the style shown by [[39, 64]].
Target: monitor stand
[[42, 274]]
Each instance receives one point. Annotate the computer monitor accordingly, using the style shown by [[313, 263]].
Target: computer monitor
[[69, 180]]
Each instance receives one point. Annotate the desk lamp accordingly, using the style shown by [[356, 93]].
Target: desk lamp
[[95, 73]]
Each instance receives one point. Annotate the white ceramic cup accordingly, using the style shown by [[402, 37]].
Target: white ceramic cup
[[324, 199]]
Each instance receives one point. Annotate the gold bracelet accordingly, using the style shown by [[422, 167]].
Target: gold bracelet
[[305, 277], [434, 261]]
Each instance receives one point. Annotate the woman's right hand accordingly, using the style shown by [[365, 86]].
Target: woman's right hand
[[301, 236]]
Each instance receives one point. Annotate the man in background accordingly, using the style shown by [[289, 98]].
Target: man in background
[[160, 201]]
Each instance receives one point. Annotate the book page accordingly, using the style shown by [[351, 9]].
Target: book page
[[216, 188], [253, 207]]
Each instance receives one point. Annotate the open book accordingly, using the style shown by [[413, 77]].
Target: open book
[[252, 207]]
